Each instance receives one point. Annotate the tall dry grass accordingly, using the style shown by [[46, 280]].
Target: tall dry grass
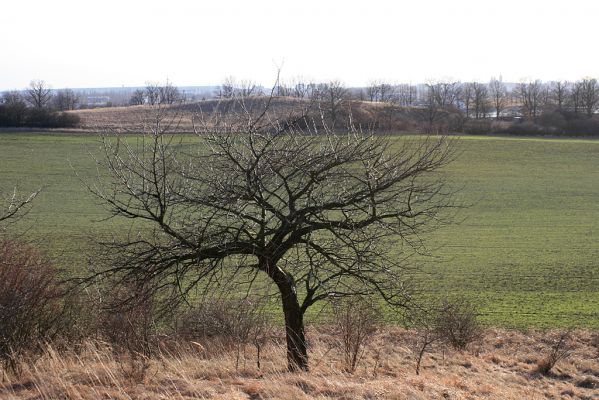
[[501, 366]]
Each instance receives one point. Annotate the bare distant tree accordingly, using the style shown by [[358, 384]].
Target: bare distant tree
[[227, 89], [589, 95], [39, 94], [373, 91], [15, 108], [169, 94], [332, 94], [248, 88], [406, 95], [576, 97], [480, 99], [66, 99], [498, 95], [138, 98], [259, 198], [152, 93], [445, 93], [467, 97], [531, 97], [560, 91]]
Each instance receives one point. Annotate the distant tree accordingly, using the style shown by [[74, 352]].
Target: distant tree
[[137, 98], [332, 95], [227, 89], [168, 93], [576, 97], [13, 109], [589, 95], [373, 91], [467, 97], [445, 93], [39, 94], [65, 99], [559, 93], [405, 95], [152, 93], [480, 99], [498, 95], [531, 97]]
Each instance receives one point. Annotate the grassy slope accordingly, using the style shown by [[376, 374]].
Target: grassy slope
[[528, 247]]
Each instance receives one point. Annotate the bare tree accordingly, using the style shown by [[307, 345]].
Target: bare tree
[[405, 95], [589, 95], [467, 96], [152, 93], [260, 200], [531, 96], [227, 89], [15, 108], [65, 99], [480, 99], [138, 98], [39, 94], [559, 93], [373, 91], [169, 94], [332, 95], [498, 96]]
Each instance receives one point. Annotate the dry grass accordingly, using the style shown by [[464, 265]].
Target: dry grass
[[501, 366]]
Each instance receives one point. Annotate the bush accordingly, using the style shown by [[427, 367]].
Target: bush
[[30, 301], [558, 351], [17, 116], [228, 324], [357, 321], [456, 323]]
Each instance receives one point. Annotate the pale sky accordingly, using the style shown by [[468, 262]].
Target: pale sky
[[76, 43]]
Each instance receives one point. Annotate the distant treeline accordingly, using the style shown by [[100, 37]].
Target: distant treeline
[[38, 107]]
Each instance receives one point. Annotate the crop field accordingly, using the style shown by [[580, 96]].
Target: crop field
[[526, 247]]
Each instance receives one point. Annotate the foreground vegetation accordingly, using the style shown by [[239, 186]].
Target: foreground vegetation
[[525, 250], [503, 365]]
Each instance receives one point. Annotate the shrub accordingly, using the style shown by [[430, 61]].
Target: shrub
[[357, 321], [30, 301], [559, 350], [456, 323], [229, 324]]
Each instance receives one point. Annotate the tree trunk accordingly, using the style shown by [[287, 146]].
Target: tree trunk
[[297, 355]]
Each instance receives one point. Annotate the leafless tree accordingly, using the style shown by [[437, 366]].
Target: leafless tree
[[445, 93], [405, 95], [531, 97], [152, 93], [467, 96], [373, 91], [260, 199], [589, 95], [65, 99], [560, 93], [227, 88], [38, 94], [480, 99], [498, 96], [138, 98], [332, 95], [168, 93], [576, 97]]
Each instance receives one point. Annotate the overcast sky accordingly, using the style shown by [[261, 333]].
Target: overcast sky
[[128, 42]]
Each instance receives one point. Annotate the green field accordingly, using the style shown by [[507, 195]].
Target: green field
[[527, 247]]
